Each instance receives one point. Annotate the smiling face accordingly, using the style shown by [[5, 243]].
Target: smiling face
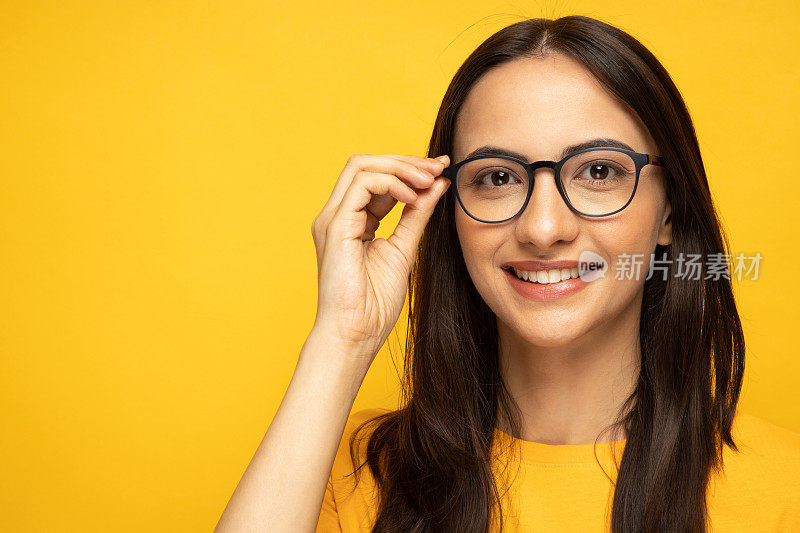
[[538, 107]]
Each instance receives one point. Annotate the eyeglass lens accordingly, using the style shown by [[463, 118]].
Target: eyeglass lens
[[596, 182]]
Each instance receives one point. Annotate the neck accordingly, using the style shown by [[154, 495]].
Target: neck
[[570, 394]]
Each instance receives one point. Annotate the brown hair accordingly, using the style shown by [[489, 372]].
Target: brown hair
[[431, 458]]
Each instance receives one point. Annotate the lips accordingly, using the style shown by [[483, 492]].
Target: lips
[[544, 291], [540, 265]]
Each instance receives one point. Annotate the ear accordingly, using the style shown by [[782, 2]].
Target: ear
[[665, 231]]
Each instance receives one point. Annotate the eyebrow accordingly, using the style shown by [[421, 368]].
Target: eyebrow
[[489, 150]]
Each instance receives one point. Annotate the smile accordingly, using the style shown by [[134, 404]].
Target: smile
[[545, 276], [560, 283]]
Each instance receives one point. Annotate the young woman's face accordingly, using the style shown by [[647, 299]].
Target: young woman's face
[[538, 107]]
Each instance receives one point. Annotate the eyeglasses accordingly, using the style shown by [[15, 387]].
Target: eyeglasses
[[595, 182]]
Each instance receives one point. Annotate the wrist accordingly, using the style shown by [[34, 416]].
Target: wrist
[[345, 360], [348, 346]]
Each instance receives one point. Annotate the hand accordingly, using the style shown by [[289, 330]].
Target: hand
[[363, 280]]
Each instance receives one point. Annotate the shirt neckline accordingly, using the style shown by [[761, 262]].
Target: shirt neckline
[[539, 452]]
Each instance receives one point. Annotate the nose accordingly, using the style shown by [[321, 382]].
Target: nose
[[547, 219]]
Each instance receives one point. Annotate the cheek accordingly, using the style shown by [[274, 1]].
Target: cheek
[[627, 244], [625, 239], [479, 243], [472, 246], [635, 228]]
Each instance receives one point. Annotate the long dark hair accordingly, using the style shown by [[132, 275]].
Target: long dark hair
[[432, 457]]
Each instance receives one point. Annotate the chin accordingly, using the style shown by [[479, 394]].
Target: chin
[[549, 341], [547, 335]]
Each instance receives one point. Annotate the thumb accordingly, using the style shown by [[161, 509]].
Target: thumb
[[415, 216]]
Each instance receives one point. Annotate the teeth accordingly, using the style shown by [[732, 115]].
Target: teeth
[[546, 276]]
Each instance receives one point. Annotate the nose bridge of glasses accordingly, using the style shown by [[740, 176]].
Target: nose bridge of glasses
[[537, 198], [536, 165], [545, 207]]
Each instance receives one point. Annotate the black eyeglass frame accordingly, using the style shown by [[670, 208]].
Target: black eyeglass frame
[[639, 159]]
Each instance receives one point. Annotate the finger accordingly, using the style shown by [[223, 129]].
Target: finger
[[403, 166], [349, 221], [415, 216], [431, 164], [373, 223], [381, 206]]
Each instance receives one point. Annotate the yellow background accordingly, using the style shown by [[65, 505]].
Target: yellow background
[[162, 161]]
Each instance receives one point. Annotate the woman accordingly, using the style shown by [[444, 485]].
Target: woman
[[542, 390]]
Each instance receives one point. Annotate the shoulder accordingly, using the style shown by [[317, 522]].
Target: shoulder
[[768, 453], [364, 415], [759, 485], [354, 497], [355, 421], [766, 441], [343, 464], [349, 505]]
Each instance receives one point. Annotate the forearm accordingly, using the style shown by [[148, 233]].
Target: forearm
[[284, 484]]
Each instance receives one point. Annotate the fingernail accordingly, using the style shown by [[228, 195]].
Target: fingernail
[[443, 158]]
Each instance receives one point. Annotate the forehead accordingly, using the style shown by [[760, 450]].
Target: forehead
[[538, 106]]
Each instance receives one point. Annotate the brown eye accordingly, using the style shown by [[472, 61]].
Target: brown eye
[[599, 171], [497, 178]]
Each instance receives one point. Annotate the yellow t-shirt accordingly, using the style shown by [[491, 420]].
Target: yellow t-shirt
[[561, 488]]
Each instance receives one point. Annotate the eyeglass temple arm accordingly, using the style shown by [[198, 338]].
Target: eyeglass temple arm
[[655, 160]]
